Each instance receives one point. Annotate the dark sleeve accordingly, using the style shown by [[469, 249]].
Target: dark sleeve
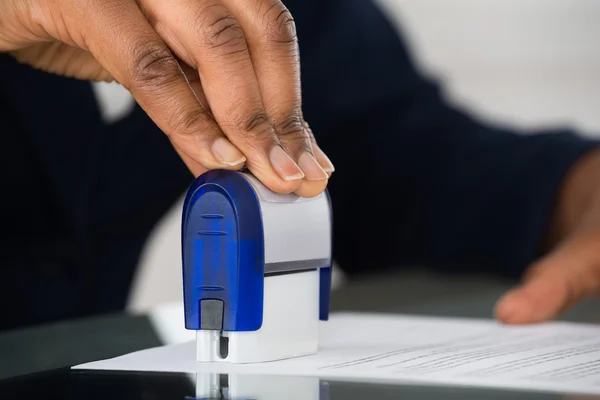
[[418, 182]]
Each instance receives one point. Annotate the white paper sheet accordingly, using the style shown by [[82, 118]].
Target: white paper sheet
[[561, 357]]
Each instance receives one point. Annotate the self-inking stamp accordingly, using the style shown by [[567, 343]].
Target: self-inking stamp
[[256, 269]]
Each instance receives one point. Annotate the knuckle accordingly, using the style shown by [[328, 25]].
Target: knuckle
[[188, 121], [154, 65], [309, 132], [254, 125], [291, 128], [280, 26], [220, 29], [253, 121]]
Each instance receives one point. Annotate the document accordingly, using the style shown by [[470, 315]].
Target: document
[[559, 357]]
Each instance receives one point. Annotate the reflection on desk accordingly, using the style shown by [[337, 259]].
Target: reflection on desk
[[77, 385]]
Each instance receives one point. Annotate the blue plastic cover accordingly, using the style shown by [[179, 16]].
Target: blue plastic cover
[[324, 293], [325, 274], [223, 250]]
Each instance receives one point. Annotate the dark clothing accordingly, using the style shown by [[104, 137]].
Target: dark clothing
[[417, 182]]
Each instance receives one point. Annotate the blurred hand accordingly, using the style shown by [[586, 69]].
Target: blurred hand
[[221, 78], [570, 271]]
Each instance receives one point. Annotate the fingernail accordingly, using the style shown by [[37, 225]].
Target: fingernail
[[287, 169], [226, 153], [311, 168], [322, 158]]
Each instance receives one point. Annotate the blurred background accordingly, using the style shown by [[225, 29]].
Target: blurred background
[[521, 63], [524, 63]]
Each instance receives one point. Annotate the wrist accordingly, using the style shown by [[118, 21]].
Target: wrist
[[575, 196]]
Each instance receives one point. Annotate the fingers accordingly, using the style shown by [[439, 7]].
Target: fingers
[[310, 188], [321, 157], [195, 168], [123, 41], [546, 296], [271, 37], [218, 120], [556, 283], [221, 147], [207, 36]]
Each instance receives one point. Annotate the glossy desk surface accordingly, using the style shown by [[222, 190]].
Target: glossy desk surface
[[65, 384], [26, 353]]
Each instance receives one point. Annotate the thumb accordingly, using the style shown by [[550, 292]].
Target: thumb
[[554, 284]]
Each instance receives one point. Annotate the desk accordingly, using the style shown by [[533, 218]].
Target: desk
[[75, 342], [65, 384]]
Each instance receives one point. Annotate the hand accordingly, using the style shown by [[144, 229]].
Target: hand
[[570, 271], [220, 77]]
